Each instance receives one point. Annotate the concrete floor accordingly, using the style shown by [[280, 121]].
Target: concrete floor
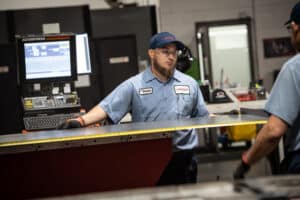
[[223, 170], [218, 163]]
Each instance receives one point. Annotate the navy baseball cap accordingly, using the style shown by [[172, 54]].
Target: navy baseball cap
[[295, 14], [164, 38]]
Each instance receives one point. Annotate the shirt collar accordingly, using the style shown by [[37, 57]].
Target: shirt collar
[[148, 76], [177, 75]]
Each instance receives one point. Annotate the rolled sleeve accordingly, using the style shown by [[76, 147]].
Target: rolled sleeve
[[118, 103], [284, 98], [200, 109]]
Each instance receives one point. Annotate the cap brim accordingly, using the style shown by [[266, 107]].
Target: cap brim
[[286, 23], [179, 45]]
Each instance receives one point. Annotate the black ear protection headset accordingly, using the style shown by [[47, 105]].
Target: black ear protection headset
[[184, 59]]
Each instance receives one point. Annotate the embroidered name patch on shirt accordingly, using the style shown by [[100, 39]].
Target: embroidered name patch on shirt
[[144, 91], [182, 89]]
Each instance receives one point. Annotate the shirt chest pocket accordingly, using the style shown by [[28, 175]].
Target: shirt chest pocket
[[184, 105]]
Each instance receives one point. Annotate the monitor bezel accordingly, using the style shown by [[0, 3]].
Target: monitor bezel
[[35, 39], [88, 53]]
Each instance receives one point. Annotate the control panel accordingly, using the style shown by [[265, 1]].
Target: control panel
[[51, 102]]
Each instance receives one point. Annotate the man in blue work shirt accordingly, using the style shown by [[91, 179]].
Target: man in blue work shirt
[[284, 108], [159, 93]]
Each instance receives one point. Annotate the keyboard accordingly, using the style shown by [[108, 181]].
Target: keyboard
[[41, 122]]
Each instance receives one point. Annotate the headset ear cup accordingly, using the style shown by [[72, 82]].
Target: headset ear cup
[[184, 60], [183, 64]]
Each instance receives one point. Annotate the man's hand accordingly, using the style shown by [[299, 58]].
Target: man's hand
[[241, 170], [68, 124]]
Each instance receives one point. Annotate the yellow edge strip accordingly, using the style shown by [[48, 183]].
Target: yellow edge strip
[[133, 132]]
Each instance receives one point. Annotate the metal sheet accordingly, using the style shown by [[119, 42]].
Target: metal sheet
[[276, 187], [288, 186], [204, 191], [121, 132]]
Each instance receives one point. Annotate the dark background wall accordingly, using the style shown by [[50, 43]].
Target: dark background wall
[[10, 101], [123, 50], [6, 26], [139, 21]]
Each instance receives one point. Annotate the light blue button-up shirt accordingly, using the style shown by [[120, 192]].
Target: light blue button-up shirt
[[149, 99], [284, 100]]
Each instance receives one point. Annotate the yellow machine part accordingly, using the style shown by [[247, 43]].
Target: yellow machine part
[[241, 132]]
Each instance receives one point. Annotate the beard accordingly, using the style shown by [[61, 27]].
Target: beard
[[165, 72], [296, 40]]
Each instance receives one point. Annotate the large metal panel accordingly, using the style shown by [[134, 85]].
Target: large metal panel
[[116, 133], [83, 169], [114, 157]]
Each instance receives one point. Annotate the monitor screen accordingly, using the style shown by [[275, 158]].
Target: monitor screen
[[83, 54], [47, 59]]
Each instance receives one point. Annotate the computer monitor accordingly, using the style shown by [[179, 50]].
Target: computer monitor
[[83, 54], [47, 58]]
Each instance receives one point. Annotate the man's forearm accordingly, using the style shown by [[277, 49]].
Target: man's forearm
[[262, 147], [96, 114], [267, 140]]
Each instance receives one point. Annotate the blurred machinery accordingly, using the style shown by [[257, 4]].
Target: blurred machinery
[[119, 4]]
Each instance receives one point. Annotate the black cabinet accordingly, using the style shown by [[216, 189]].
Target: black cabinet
[[10, 100], [116, 60], [6, 30]]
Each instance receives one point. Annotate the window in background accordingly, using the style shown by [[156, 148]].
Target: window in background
[[225, 52], [229, 52]]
